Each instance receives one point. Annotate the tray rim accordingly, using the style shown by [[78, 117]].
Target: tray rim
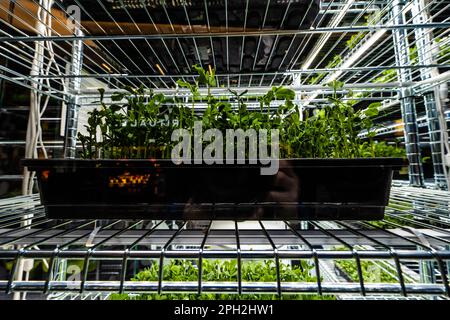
[[36, 164]]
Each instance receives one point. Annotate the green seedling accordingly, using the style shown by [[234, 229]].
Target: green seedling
[[115, 131]]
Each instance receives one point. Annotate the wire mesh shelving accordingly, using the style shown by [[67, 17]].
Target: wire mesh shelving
[[63, 50], [414, 235]]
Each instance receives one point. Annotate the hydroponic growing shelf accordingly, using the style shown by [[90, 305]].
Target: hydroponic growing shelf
[[413, 253], [391, 55]]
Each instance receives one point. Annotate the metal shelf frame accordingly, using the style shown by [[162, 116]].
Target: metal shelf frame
[[417, 224], [78, 53], [420, 233], [321, 26]]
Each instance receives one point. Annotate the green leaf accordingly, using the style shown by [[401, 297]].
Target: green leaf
[[115, 107], [284, 93], [184, 84], [371, 112], [202, 78], [118, 96]]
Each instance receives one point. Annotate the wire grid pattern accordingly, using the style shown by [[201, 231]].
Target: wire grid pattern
[[120, 56], [133, 42], [418, 218], [416, 233]]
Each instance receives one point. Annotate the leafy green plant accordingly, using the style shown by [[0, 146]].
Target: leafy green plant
[[371, 271], [444, 51], [390, 75], [333, 131], [357, 37], [395, 219], [387, 75], [122, 131], [382, 148], [139, 128], [337, 60], [224, 271]]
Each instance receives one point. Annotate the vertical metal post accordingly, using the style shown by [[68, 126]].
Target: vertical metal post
[[70, 132], [3, 62], [426, 270], [408, 107], [297, 82], [424, 54], [448, 261]]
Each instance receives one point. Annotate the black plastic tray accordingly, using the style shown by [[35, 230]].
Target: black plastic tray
[[303, 189]]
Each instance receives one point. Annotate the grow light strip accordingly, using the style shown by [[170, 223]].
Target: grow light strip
[[366, 37], [335, 21], [385, 50], [337, 74], [349, 62], [297, 56]]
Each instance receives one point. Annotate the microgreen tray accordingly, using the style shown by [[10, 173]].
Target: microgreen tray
[[303, 189]]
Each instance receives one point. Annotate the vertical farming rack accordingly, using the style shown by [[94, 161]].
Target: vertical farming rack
[[54, 55]]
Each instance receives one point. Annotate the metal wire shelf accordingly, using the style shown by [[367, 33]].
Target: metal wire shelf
[[415, 231], [413, 240]]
